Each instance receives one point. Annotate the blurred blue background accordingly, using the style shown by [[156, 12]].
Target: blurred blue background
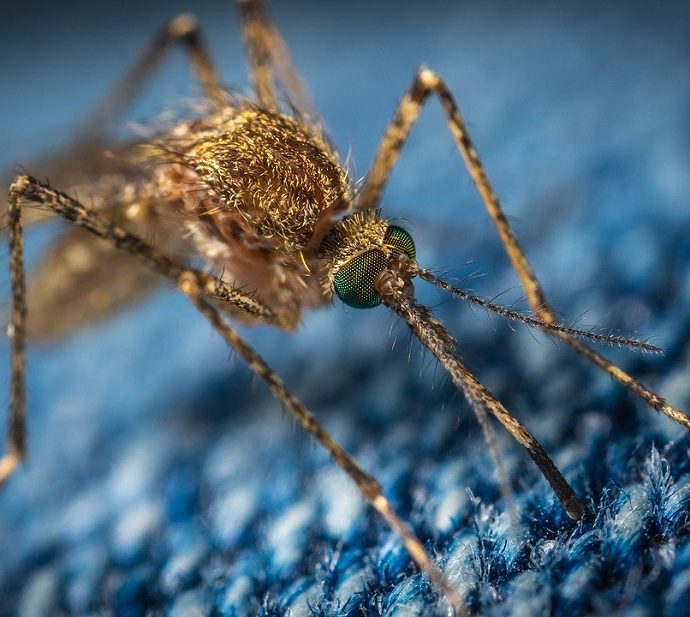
[[161, 476]]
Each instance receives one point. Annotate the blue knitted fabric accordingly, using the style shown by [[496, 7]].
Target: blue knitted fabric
[[164, 480]]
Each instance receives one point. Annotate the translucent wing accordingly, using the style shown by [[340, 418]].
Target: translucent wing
[[83, 279]]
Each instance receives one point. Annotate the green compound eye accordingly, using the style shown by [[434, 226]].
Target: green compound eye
[[354, 282], [400, 241]]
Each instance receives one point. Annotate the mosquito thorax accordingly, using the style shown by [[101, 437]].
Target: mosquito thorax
[[356, 251], [275, 177]]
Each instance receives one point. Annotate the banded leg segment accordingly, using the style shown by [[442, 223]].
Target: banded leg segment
[[28, 189], [395, 289], [267, 53], [195, 285], [183, 31], [16, 331], [369, 488], [425, 83]]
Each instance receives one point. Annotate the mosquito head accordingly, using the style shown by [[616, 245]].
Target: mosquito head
[[357, 251]]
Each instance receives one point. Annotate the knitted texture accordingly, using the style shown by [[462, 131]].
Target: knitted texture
[[164, 480]]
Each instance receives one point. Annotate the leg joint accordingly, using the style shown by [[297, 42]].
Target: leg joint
[[188, 284], [428, 79], [19, 187], [182, 26]]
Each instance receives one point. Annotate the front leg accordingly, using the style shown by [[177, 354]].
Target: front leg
[[16, 332], [425, 83], [196, 285], [26, 189]]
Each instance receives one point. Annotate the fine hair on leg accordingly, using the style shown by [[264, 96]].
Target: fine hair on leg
[[425, 83], [27, 189], [367, 485], [255, 33], [396, 291], [271, 63], [195, 285]]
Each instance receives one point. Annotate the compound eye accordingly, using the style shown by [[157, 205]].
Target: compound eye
[[354, 282], [400, 241]]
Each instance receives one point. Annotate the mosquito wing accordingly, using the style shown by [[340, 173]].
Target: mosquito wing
[[82, 279]]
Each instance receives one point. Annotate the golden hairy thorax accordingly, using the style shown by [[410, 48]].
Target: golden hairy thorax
[[261, 191], [280, 177]]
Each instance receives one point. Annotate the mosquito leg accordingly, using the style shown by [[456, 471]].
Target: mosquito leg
[[183, 31], [425, 83], [16, 436], [268, 52], [256, 40], [393, 284], [367, 484], [492, 443], [195, 285], [27, 189]]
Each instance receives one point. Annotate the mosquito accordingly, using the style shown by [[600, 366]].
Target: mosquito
[[254, 188]]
